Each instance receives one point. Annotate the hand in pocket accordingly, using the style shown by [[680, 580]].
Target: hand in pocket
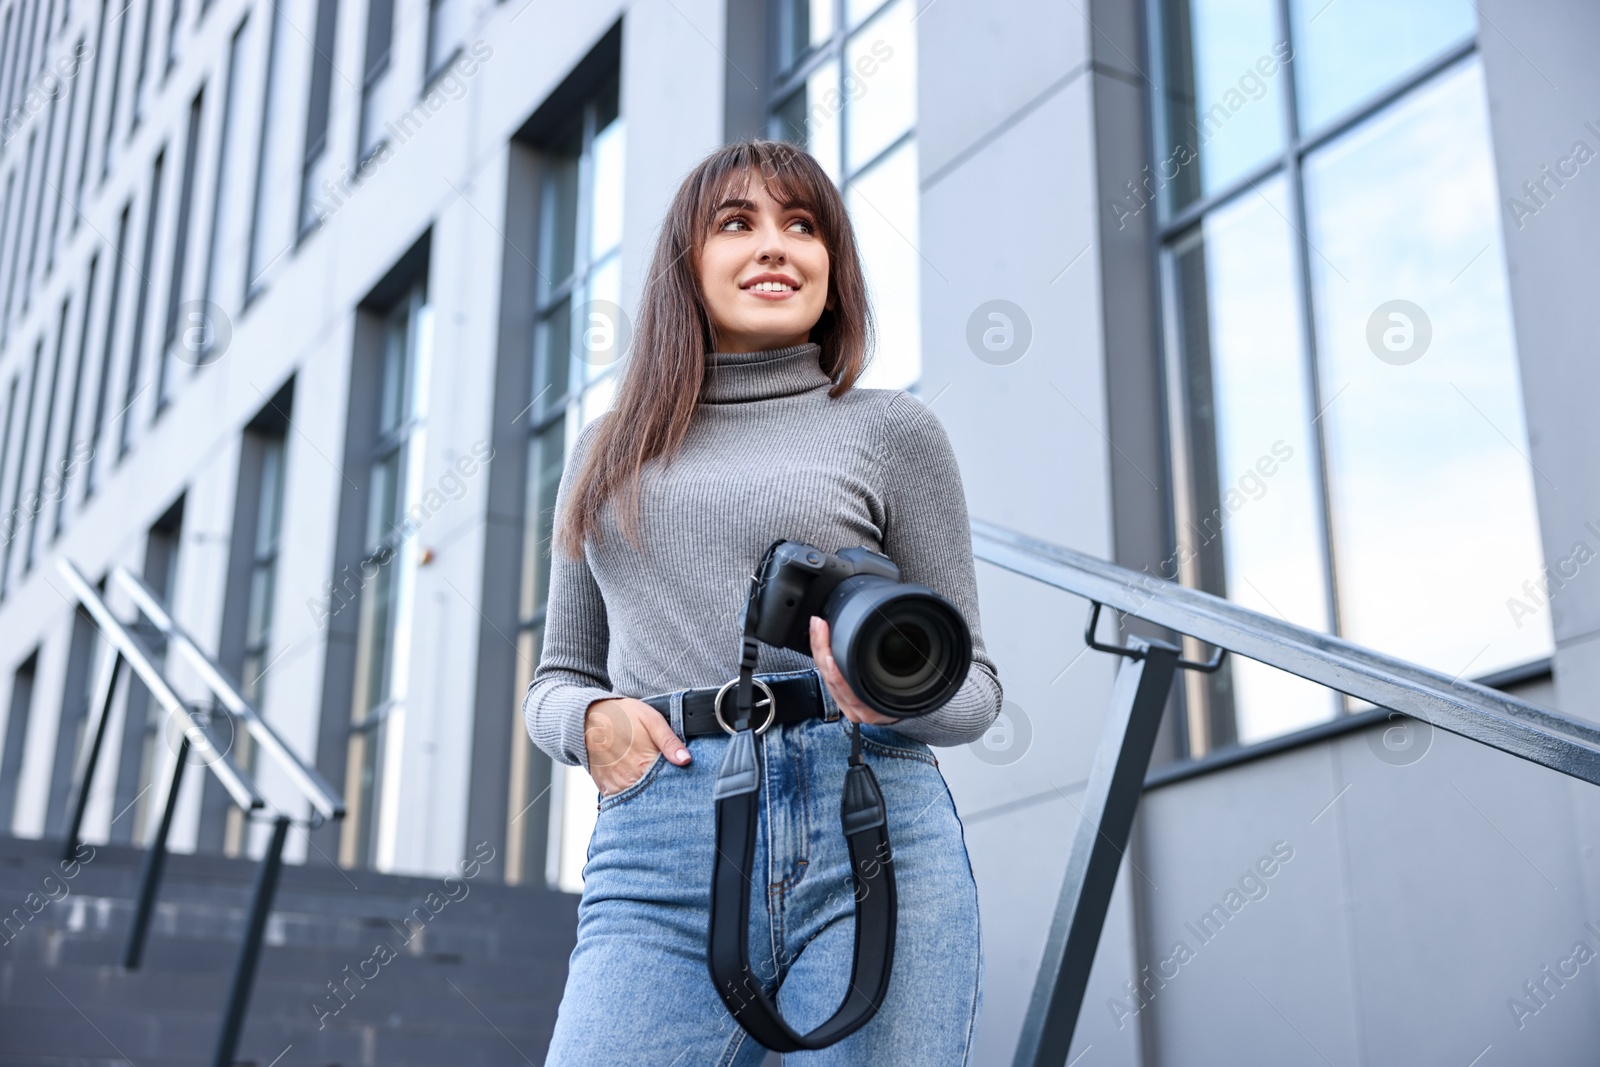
[[623, 736]]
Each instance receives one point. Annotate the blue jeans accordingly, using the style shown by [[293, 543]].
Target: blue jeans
[[638, 989]]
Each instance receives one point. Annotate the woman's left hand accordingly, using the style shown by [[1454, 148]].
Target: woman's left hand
[[849, 704]]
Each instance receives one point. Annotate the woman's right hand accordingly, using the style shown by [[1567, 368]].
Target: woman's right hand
[[623, 736]]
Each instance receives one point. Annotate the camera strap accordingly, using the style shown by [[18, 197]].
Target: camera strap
[[863, 817]]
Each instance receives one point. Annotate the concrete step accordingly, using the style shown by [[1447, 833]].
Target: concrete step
[[474, 978]]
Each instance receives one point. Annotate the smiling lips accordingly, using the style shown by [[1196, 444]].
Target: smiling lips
[[771, 286]]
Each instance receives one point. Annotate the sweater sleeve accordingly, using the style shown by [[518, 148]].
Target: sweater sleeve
[[927, 535], [572, 666]]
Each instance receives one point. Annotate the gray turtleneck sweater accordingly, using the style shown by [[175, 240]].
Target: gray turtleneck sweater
[[769, 455]]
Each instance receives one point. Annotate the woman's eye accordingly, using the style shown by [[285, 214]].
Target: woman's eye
[[736, 221], [805, 225]]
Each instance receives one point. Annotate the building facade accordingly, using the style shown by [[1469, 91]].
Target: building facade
[[302, 305]]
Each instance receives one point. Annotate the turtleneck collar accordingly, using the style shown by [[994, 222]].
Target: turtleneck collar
[[738, 377]]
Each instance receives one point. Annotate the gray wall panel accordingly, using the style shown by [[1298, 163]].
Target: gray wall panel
[[990, 63], [1544, 98], [1273, 983], [1013, 219], [1419, 901], [1463, 884]]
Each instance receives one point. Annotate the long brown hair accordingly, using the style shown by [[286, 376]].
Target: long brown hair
[[662, 383]]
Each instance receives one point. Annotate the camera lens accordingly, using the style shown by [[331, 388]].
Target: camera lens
[[905, 652], [907, 648], [901, 653]]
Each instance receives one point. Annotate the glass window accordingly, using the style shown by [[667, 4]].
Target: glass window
[[114, 87], [171, 353], [883, 215], [225, 250], [1349, 50], [23, 215], [118, 254], [39, 204], [5, 224], [5, 44], [7, 432], [280, 151], [135, 790], [266, 509], [263, 570], [847, 94], [882, 93], [15, 736], [527, 838], [856, 10], [802, 26], [579, 339], [447, 29], [43, 487], [23, 437], [58, 194], [1252, 521], [1345, 388], [317, 162], [30, 41], [1221, 97], [97, 61], [175, 19], [141, 304], [388, 576], [810, 117], [72, 450], [378, 81], [1428, 425], [142, 59]]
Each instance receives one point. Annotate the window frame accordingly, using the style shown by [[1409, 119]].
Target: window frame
[[786, 83], [1203, 734], [377, 65], [368, 727], [166, 382], [319, 119], [555, 423], [431, 71]]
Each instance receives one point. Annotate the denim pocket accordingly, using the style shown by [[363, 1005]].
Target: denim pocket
[[610, 801], [887, 741]]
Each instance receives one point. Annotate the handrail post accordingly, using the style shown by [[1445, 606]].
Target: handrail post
[[244, 971], [155, 858], [89, 759], [1110, 800]]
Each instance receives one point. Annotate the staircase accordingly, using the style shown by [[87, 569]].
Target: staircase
[[469, 973]]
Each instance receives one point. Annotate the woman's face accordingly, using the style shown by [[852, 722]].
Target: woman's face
[[763, 273]]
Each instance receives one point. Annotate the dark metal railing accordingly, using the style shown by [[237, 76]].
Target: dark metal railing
[[125, 646], [1116, 778]]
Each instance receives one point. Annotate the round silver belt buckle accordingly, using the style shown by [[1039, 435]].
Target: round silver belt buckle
[[772, 706]]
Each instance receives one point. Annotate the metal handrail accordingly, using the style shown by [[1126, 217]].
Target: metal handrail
[[127, 646], [1466, 708], [312, 785], [1138, 700], [131, 648]]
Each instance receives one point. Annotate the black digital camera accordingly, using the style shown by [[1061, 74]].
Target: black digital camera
[[903, 648]]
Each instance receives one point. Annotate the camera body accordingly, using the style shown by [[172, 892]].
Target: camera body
[[903, 648]]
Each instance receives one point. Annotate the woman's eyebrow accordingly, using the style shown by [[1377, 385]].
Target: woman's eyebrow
[[743, 205]]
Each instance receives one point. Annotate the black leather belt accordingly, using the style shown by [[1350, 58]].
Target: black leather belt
[[782, 700]]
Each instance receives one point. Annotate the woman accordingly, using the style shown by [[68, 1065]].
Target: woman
[[736, 425]]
